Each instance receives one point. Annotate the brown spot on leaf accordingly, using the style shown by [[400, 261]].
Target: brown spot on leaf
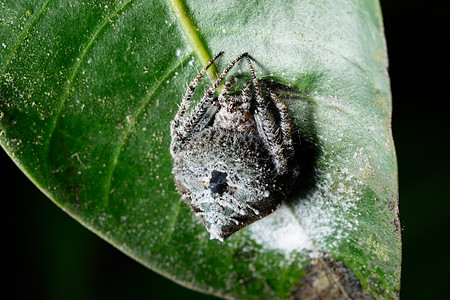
[[331, 280], [393, 208]]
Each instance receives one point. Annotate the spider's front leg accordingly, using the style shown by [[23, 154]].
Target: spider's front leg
[[203, 114], [267, 128], [204, 109], [176, 127], [285, 126]]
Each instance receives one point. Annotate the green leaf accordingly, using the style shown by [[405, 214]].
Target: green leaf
[[87, 92]]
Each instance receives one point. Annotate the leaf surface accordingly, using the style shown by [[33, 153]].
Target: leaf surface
[[87, 93]]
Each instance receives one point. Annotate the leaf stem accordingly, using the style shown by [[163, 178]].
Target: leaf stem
[[193, 37]]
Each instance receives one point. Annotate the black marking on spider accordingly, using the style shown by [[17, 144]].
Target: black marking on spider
[[232, 155], [218, 183]]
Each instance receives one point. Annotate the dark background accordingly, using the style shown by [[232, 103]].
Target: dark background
[[42, 262]]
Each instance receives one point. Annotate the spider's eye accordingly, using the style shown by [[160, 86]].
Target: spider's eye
[[218, 183]]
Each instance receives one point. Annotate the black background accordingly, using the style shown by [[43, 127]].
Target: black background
[[48, 255]]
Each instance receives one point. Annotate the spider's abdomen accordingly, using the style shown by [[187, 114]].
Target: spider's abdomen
[[227, 178]]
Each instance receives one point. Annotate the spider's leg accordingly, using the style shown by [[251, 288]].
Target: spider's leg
[[185, 102], [267, 128], [208, 97], [246, 98], [285, 125], [197, 119], [224, 104], [190, 92], [226, 89]]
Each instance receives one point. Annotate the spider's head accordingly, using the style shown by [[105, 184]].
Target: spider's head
[[234, 114]]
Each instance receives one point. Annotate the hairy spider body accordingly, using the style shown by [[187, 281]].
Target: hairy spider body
[[231, 158], [248, 189]]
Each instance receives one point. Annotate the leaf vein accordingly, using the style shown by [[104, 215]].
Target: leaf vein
[[75, 70], [131, 125], [173, 221], [24, 33]]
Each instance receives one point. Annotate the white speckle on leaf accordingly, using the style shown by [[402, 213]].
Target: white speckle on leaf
[[318, 222], [77, 156], [280, 231]]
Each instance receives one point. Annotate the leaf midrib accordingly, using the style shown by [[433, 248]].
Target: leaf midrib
[[193, 37]]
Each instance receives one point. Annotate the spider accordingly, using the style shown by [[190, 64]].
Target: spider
[[231, 158]]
